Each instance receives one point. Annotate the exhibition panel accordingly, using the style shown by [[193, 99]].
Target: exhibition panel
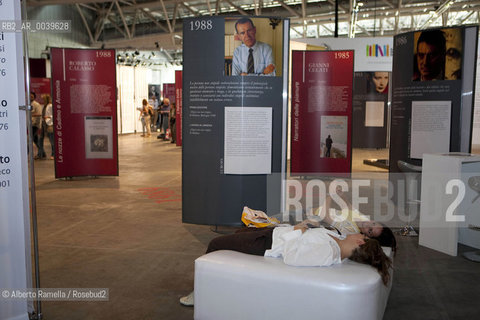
[[179, 105], [85, 116], [432, 94], [169, 91], [141, 236], [322, 87], [370, 111], [234, 111], [373, 66]]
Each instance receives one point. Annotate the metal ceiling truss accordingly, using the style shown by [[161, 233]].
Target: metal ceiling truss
[[157, 24]]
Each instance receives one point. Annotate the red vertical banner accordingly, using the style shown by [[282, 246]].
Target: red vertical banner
[[169, 91], [322, 91], [178, 104], [85, 118]]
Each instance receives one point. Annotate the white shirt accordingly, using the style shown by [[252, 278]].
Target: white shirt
[[262, 57], [314, 247], [48, 115], [36, 114]]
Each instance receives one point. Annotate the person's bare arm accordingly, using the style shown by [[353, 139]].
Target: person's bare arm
[[301, 226]]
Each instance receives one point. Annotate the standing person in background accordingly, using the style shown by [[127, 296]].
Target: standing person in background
[[147, 112], [159, 118], [37, 121], [173, 117], [48, 120], [155, 113], [142, 120], [165, 110]]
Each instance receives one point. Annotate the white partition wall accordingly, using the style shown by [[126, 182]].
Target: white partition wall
[[15, 271], [141, 92], [132, 89], [127, 115]]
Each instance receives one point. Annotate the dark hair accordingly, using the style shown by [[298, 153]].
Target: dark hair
[[387, 239], [371, 253], [242, 21], [33, 94], [433, 37]]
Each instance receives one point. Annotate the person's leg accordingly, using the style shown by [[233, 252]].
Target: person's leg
[[36, 141], [255, 243], [51, 138], [161, 122], [41, 136], [143, 126], [34, 135], [250, 229], [173, 129], [157, 120], [165, 123], [147, 124]]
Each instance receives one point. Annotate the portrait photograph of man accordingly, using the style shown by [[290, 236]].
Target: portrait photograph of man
[[253, 47], [437, 55]]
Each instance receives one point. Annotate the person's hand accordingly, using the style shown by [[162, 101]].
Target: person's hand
[[269, 69], [304, 225], [301, 226]]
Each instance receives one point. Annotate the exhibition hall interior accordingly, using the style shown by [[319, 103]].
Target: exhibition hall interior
[[239, 159]]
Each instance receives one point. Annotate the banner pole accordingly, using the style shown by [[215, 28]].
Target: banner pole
[[33, 200]]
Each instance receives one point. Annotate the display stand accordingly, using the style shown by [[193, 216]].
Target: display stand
[[234, 127], [450, 202]]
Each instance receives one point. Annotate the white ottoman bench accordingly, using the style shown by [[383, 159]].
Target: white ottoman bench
[[233, 285]]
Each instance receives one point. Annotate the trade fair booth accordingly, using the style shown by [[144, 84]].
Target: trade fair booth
[[277, 136]]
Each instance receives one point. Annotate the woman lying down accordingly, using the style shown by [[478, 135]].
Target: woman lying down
[[303, 246]]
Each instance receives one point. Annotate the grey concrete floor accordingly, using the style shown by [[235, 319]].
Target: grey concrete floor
[[126, 234]]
